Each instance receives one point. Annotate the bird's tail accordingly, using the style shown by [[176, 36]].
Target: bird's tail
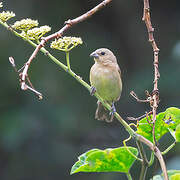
[[102, 113]]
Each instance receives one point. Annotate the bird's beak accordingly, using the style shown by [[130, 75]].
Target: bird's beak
[[95, 55]]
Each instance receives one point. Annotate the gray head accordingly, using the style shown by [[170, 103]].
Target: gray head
[[103, 55]]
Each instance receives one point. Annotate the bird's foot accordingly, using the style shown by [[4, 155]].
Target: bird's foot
[[92, 91], [113, 110]]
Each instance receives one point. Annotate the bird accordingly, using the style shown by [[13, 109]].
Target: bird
[[105, 80]]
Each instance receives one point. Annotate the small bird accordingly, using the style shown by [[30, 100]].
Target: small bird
[[105, 79]]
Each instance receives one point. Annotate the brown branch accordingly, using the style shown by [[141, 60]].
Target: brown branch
[[144, 163], [155, 94], [68, 25], [140, 117], [157, 152], [147, 100]]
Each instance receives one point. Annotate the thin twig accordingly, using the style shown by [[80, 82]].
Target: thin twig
[[144, 163], [140, 117], [155, 95], [151, 158], [156, 151], [68, 25], [12, 61], [134, 95], [124, 142], [31, 88]]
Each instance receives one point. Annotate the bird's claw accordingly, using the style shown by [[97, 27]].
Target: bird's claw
[[93, 90], [113, 110]]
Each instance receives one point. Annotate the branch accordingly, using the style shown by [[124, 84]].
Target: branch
[[129, 176], [155, 95], [68, 25], [144, 163], [157, 152]]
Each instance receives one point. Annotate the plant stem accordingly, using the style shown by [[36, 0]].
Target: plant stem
[[17, 34], [156, 151], [155, 94], [124, 142], [144, 164], [67, 60], [151, 159], [143, 172], [169, 148], [129, 176]]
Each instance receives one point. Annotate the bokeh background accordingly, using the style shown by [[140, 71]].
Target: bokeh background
[[42, 139]]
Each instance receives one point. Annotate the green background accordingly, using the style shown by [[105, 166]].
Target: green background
[[42, 139]]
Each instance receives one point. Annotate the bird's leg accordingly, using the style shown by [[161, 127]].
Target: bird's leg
[[92, 91], [113, 109], [111, 114]]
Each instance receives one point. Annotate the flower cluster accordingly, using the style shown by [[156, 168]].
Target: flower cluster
[[66, 43], [36, 33], [25, 24], [6, 15], [1, 5]]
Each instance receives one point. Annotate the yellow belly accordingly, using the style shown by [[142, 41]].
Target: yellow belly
[[107, 82]]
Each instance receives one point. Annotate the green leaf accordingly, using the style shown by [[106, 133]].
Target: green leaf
[[108, 160], [175, 177], [166, 121], [177, 133], [172, 174]]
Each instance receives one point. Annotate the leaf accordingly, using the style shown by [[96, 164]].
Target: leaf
[[172, 174], [175, 177], [108, 160], [177, 133], [166, 121]]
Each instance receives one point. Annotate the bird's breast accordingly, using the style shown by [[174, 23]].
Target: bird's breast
[[107, 81]]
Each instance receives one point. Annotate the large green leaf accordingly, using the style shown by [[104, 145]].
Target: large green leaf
[[108, 160], [166, 121], [172, 174]]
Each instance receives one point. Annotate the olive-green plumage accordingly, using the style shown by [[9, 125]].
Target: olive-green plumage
[[105, 76]]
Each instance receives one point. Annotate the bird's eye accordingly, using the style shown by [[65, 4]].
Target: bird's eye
[[102, 53]]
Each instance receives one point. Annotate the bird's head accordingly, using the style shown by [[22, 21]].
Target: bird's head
[[103, 55]]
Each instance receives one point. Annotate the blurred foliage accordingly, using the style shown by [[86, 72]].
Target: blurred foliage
[[172, 174], [42, 139]]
